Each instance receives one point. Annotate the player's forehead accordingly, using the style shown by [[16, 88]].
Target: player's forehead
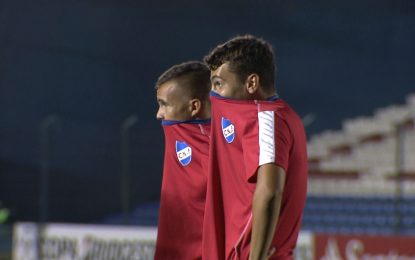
[[167, 88], [222, 72], [170, 90]]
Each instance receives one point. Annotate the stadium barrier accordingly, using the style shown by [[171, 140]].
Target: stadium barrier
[[32, 241], [93, 242], [350, 247]]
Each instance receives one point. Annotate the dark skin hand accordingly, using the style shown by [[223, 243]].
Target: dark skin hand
[[266, 207]]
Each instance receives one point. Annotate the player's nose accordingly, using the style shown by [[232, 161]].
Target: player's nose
[[212, 87], [160, 115]]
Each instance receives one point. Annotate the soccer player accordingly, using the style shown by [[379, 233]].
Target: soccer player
[[257, 177], [184, 108]]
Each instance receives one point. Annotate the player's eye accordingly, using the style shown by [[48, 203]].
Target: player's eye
[[217, 83]]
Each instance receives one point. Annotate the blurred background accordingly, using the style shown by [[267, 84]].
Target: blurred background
[[79, 141]]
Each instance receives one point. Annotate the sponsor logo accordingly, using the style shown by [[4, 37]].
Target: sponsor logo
[[228, 130], [184, 153]]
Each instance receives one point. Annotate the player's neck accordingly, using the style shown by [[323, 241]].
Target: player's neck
[[204, 113], [260, 95]]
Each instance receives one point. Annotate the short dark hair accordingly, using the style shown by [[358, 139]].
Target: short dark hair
[[246, 54], [194, 77]]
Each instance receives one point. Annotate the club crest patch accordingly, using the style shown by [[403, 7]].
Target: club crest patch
[[184, 153], [228, 130]]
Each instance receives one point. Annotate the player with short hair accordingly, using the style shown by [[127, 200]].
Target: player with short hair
[[184, 108], [257, 177]]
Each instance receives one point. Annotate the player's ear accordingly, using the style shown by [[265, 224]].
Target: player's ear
[[252, 83], [195, 107]]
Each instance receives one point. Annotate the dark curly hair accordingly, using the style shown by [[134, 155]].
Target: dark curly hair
[[246, 54], [194, 77]]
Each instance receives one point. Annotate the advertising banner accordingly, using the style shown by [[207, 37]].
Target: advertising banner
[[98, 242], [342, 247], [86, 242], [305, 246]]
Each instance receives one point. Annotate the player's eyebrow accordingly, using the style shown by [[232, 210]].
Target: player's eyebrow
[[161, 101], [215, 77]]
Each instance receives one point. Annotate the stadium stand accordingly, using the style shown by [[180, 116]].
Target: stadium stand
[[362, 177]]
